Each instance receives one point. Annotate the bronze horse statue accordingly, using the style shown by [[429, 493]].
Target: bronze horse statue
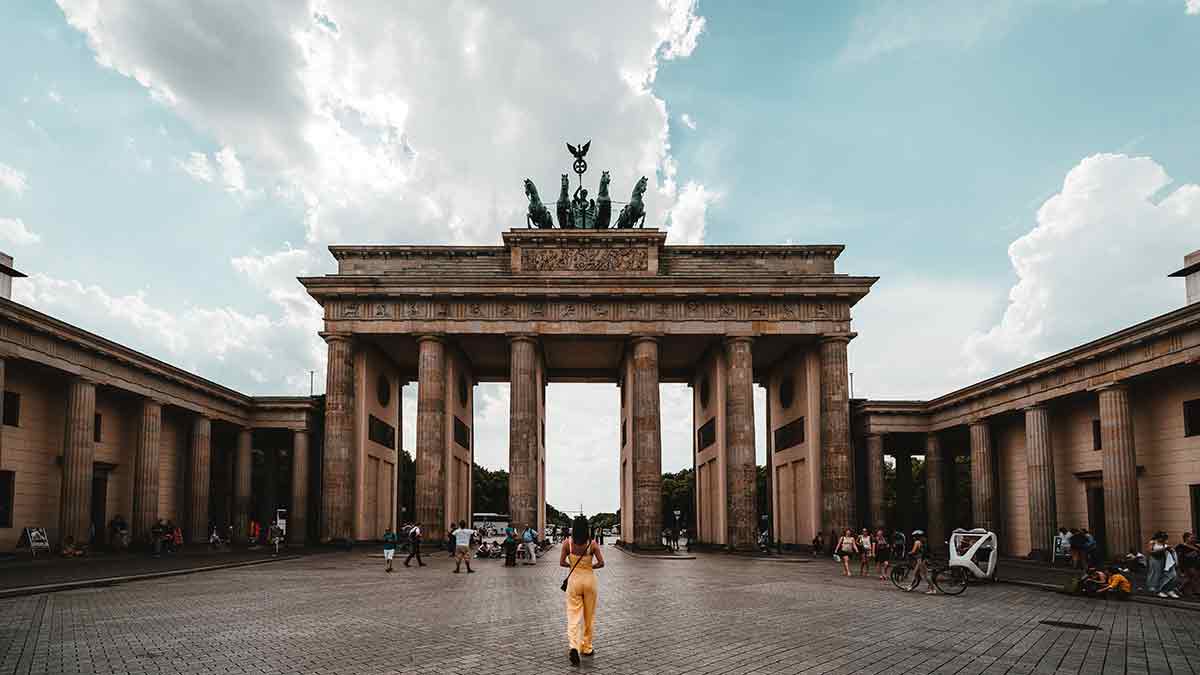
[[604, 203], [538, 215], [564, 205], [634, 213]]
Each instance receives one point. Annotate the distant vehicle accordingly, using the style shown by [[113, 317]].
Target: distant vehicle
[[492, 523], [607, 532]]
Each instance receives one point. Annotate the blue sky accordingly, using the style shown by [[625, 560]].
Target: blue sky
[[1020, 174]]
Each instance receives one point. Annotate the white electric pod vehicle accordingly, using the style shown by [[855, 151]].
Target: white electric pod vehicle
[[975, 551]]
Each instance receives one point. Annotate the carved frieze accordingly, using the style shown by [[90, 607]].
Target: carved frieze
[[572, 259], [589, 309]]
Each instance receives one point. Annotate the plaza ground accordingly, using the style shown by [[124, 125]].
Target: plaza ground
[[340, 613]]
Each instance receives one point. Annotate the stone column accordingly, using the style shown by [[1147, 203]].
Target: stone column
[[3, 380], [523, 431], [904, 494], [935, 494], [1039, 463], [145, 471], [79, 451], [647, 446], [268, 501], [741, 471], [837, 460], [1122, 512], [337, 458], [875, 479], [297, 533], [431, 437], [983, 513], [198, 477], [243, 466]]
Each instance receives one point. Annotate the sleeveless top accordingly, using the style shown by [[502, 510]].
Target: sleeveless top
[[585, 560]]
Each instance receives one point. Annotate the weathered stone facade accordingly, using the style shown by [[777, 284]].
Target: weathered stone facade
[[96, 430], [612, 306]]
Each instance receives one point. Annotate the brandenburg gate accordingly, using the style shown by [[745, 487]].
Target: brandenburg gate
[[585, 304]]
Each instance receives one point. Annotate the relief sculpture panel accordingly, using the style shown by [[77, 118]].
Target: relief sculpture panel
[[585, 259]]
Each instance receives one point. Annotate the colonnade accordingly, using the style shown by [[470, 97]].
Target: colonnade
[[1119, 476]]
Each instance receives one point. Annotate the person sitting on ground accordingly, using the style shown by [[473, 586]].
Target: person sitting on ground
[[1118, 586], [1093, 581], [71, 550]]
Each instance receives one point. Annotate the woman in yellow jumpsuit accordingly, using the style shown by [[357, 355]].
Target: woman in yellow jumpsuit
[[583, 556]]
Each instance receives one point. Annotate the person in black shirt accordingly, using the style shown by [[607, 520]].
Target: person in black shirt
[[414, 542]]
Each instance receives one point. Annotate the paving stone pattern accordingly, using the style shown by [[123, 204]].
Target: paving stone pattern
[[340, 613]]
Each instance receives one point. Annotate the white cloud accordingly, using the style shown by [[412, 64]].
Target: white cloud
[[54, 96], [1192, 7], [690, 123], [12, 179], [366, 132], [197, 166], [1095, 262], [232, 173], [686, 219], [13, 231]]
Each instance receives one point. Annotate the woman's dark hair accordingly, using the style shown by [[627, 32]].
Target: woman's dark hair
[[580, 531]]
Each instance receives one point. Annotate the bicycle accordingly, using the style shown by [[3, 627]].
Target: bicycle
[[946, 579]]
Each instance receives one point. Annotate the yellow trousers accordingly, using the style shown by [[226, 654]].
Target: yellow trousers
[[581, 609]]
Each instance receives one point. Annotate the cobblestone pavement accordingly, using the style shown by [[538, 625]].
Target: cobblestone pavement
[[340, 613]]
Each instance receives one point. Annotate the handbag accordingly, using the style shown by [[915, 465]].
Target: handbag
[[577, 560]]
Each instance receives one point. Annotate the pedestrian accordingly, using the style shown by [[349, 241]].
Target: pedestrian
[[818, 544], [529, 543], [1189, 564], [582, 556], [414, 543], [846, 548], [510, 547], [389, 548], [1078, 544], [883, 554], [1163, 574], [450, 539], [920, 553], [462, 546], [176, 536], [866, 551], [158, 537], [1091, 549]]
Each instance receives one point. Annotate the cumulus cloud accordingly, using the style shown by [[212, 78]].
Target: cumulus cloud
[[14, 231], [1192, 7], [252, 352], [1096, 261], [687, 121], [421, 139], [12, 179], [232, 173], [686, 219]]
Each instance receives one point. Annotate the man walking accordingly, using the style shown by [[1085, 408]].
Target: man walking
[[462, 546], [414, 541], [389, 548], [529, 541]]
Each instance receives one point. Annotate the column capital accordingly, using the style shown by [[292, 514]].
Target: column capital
[[431, 337], [1115, 385], [523, 337], [735, 339], [1040, 405], [977, 422], [644, 338], [335, 337], [837, 337]]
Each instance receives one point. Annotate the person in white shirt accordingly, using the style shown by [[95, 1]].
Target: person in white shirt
[[462, 546]]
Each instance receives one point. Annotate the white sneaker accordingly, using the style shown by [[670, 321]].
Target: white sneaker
[[1173, 594], [1163, 595]]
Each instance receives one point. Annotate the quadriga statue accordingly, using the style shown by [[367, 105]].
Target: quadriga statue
[[564, 205], [603, 203], [538, 215], [634, 213]]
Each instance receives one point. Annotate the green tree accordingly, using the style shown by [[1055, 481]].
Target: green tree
[[678, 494], [491, 490]]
